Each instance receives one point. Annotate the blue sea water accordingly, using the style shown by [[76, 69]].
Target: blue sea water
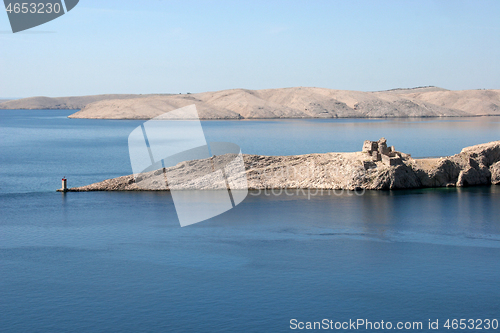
[[119, 262]]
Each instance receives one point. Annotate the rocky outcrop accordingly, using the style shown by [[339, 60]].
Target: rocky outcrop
[[476, 165], [398, 177], [495, 173], [469, 168]]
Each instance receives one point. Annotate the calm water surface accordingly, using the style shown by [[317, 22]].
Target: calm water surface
[[119, 262]]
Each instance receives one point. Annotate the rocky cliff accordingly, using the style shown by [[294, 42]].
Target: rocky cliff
[[476, 165]]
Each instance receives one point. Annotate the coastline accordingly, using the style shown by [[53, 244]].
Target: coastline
[[309, 118], [279, 103], [473, 166]]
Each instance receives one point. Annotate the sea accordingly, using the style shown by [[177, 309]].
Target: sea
[[120, 262]]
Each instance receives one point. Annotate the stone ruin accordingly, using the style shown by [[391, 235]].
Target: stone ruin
[[379, 151]]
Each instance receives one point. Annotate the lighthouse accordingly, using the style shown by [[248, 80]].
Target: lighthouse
[[64, 187]]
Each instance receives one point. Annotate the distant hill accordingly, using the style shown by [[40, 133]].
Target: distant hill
[[416, 89], [54, 103], [298, 102], [302, 102]]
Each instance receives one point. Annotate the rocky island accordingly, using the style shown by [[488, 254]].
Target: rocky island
[[377, 167]]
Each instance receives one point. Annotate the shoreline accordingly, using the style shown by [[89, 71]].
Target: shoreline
[[366, 170], [279, 103], [307, 118]]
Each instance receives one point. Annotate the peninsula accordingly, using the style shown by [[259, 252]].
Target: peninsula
[[297, 102], [377, 167]]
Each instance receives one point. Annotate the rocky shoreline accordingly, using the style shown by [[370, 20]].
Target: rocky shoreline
[[377, 167]]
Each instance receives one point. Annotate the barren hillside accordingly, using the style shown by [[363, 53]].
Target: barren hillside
[[59, 103], [297, 102], [304, 102]]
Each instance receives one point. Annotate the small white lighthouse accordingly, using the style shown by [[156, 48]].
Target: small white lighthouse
[[64, 187]]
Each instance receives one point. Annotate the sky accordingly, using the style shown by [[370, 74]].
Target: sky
[[160, 46]]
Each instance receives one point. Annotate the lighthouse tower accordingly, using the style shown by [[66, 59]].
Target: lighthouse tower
[[64, 187]]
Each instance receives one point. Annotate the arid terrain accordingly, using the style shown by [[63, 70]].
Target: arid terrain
[[298, 102], [61, 103], [476, 165]]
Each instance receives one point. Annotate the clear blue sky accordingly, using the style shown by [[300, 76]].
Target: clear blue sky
[[154, 46]]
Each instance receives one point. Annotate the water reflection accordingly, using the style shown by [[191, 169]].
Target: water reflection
[[447, 215]]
